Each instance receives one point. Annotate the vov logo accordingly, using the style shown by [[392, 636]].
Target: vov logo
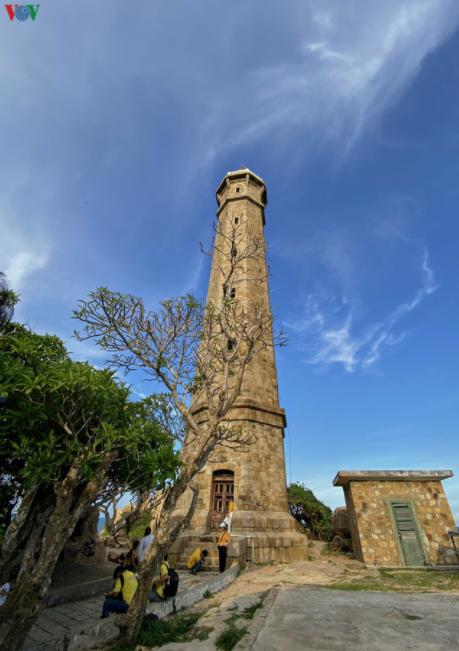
[[22, 12]]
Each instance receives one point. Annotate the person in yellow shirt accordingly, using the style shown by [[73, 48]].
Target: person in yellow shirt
[[157, 586], [123, 593], [224, 540], [197, 558]]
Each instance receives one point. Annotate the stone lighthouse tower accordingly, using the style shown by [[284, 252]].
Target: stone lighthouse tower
[[254, 479]]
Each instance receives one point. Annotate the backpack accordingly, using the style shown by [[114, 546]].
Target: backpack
[[88, 551], [120, 594], [172, 583]]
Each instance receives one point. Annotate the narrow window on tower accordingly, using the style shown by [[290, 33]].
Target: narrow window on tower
[[233, 293], [238, 189], [236, 220], [230, 345]]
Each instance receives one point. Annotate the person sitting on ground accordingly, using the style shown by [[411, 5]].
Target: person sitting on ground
[[132, 559], [196, 560], [145, 544], [157, 586], [119, 600]]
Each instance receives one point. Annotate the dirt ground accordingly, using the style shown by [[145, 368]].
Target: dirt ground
[[324, 570], [328, 578], [336, 571]]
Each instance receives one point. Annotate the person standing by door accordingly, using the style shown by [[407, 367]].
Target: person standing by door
[[224, 540], [229, 518]]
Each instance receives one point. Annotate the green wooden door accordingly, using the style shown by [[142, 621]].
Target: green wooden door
[[407, 534]]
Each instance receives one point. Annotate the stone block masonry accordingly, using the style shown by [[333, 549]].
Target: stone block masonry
[[255, 478], [399, 518]]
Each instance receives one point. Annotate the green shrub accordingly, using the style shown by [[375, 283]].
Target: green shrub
[[227, 640], [247, 613], [250, 611], [310, 512], [137, 528], [175, 628]]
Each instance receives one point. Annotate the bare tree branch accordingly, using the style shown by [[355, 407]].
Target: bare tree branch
[[199, 353]]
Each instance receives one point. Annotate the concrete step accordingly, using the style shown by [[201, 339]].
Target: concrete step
[[205, 538], [207, 567]]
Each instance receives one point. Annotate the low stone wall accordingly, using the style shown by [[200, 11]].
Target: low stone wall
[[282, 548], [79, 591], [87, 638]]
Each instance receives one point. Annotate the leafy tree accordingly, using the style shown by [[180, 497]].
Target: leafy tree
[[8, 300], [309, 511], [199, 353], [68, 434], [130, 522]]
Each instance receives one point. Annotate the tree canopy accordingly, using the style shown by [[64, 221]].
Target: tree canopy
[[309, 511], [198, 351], [69, 433], [8, 300]]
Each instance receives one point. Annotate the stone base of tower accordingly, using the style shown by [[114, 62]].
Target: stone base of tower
[[259, 537]]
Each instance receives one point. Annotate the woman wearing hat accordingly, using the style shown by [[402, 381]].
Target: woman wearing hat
[[224, 540]]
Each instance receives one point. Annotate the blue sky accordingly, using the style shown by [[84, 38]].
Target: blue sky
[[117, 123]]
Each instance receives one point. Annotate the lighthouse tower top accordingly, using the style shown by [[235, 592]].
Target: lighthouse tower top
[[242, 184]]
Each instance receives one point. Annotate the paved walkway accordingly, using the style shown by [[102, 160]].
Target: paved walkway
[[301, 617], [63, 621], [318, 619]]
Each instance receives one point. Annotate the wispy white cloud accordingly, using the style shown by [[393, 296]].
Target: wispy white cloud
[[352, 61], [335, 334], [323, 70], [193, 281], [25, 248], [395, 225], [383, 330], [22, 264]]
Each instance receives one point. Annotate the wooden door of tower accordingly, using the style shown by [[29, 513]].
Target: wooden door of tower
[[222, 494]]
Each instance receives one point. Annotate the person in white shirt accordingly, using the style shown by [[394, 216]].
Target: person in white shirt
[[4, 592], [145, 544]]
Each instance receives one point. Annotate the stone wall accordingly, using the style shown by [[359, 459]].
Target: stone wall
[[259, 471], [259, 480], [374, 538], [260, 490]]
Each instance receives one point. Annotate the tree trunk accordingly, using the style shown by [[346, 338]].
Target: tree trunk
[[30, 594], [16, 532], [163, 540], [27, 563]]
